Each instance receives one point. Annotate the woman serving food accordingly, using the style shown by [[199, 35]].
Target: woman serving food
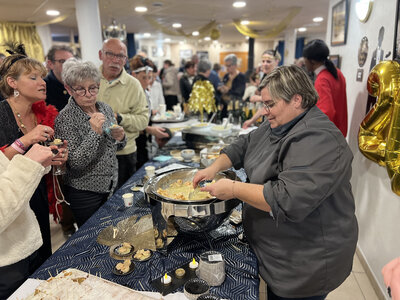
[[299, 209]]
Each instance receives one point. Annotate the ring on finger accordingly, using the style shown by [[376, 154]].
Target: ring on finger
[[46, 129]]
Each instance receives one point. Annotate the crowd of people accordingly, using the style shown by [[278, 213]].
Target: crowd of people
[[95, 123]]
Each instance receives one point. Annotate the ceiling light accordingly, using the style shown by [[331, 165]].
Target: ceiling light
[[207, 38], [146, 35], [181, 42], [245, 22], [177, 25], [302, 29], [247, 37], [53, 12], [141, 8], [167, 40], [239, 4], [318, 19], [195, 33]]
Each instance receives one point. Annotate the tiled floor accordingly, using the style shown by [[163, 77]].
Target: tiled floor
[[356, 287]]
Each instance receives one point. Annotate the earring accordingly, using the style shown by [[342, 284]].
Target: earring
[[16, 93]]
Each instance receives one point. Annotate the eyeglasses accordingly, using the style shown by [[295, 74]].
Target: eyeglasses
[[61, 61], [111, 55], [82, 91], [268, 105]]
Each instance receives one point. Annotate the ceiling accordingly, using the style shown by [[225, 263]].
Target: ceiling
[[264, 15]]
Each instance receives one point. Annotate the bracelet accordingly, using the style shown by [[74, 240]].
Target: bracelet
[[233, 186], [16, 147], [20, 144]]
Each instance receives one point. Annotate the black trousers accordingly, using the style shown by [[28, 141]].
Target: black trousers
[[272, 296], [170, 101], [126, 167], [84, 203], [12, 276]]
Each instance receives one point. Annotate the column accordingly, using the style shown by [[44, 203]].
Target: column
[[44, 33], [89, 27], [290, 46]]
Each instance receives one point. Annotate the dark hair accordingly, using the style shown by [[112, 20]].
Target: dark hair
[[52, 52], [168, 62], [254, 76], [189, 64], [139, 61], [318, 51], [217, 67], [286, 81]]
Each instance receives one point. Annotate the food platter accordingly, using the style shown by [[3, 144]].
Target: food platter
[[134, 257], [169, 118], [120, 273], [122, 250]]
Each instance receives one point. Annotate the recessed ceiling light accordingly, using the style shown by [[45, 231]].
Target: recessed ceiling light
[[215, 42], [146, 35], [195, 33], [245, 22], [207, 38], [167, 40], [239, 4], [181, 42], [247, 37], [318, 19], [53, 12], [141, 8], [302, 29], [177, 25]]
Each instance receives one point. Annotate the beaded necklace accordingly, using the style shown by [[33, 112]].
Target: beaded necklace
[[21, 123]]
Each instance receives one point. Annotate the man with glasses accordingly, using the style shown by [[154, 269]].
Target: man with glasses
[[127, 99], [56, 94]]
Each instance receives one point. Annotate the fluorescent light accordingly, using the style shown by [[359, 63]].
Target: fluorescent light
[[146, 35], [207, 38], [302, 29], [167, 40], [141, 8], [195, 33], [318, 19], [239, 4], [177, 25], [53, 12], [245, 22]]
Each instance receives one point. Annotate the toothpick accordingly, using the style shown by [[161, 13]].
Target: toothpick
[[49, 273], [237, 248], [141, 285], [105, 217]]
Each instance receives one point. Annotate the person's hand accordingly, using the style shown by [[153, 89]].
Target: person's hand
[[96, 122], [255, 98], [62, 155], [391, 277], [247, 124], [204, 174], [223, 89], [118, 133], [42, 155], [158, 132], [222, 189], [41, 133]]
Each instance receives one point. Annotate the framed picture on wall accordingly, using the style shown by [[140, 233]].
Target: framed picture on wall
[[336, 60], [339, 23]]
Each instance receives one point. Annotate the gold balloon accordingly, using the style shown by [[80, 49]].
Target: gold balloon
[[379, 135], [214, 35]]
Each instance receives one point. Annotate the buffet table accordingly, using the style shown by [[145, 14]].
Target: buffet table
[[82, 251]]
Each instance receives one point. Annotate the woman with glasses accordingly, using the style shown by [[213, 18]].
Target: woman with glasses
[[93, 140], [298, 213], [26, 120]]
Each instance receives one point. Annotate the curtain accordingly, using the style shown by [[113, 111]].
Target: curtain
[[299, 47], [22, 33]]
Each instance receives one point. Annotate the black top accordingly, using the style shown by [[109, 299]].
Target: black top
[[238, 85], [56, 94], [185, 86]]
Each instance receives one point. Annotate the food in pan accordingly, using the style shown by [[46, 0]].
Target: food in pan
[[180, 190]]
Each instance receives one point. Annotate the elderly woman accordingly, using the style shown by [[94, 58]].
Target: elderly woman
[[270, 60], [93, 139], [24, 121], [299, 209], [234, 82]]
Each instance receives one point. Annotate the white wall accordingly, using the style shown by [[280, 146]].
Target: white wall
[[377, 207]]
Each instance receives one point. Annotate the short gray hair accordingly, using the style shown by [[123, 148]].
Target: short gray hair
[[232, 58], [203, 66], [286, 81], [76, 71]]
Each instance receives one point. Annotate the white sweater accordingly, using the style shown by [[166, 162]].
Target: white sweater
[[19, 230]]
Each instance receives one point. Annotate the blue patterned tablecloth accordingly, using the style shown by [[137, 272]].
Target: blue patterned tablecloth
[[82, 251]]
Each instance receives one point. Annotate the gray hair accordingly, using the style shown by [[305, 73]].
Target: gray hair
[[286, 81], [76, 71], [52, 52], [203, 66], [232, 58]]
